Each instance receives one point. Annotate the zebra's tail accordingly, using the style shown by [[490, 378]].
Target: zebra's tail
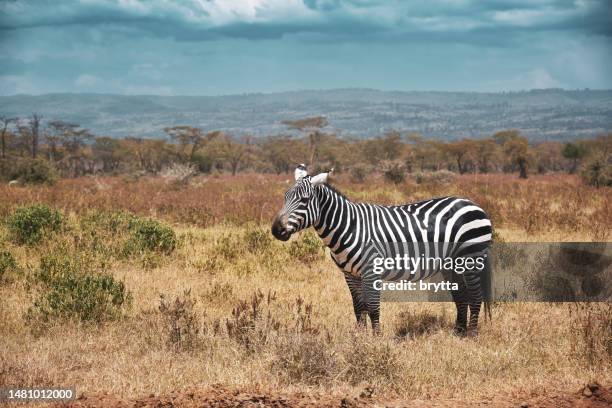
[[486, 283]]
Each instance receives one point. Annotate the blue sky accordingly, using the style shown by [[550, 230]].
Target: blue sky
[[212, 47]]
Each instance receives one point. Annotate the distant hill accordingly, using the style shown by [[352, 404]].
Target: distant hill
[[551, 114]]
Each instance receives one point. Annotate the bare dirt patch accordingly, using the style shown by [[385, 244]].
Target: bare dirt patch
[[592, 395]]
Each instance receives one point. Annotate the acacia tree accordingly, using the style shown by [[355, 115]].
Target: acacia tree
[[517, 151], [487, 154], [282, 153], [235, 153], [35, 121], [425, 152], [461, 151], [6, 123], [313, 126], [72, 139]]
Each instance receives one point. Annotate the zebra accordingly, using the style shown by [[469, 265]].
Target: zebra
[[348, 229]]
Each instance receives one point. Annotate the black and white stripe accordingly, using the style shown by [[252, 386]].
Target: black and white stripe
[[448, 226]]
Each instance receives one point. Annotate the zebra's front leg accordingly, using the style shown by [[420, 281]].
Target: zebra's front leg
[[359, 305]]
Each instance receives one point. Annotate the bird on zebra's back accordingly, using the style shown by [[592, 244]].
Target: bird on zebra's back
[[353, 231]]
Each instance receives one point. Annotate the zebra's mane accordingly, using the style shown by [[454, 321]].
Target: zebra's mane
[[335, 190]]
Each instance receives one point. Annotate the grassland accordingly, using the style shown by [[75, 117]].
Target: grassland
[[229, 305]]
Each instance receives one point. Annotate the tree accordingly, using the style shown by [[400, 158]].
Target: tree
[[487, 154], [461, 151], [72, 139], [108, 151], [282, 153], [6, 123], [517, 150], [574, 152], [548, 156], [236, 154], [35, 120], [190, 139], [426, 153], [313, 125]]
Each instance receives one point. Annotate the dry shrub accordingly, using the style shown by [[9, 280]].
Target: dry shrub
[[561, 201], [591, 323], [372, 360], [395, 174], [304, 358], [440, 177], [179, 173], [182, 328], [15, 373], [252, 324], [411, 324]]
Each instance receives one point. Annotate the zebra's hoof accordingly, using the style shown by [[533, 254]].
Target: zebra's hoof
[[460, 331]]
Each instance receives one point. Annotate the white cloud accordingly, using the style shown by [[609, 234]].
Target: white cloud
[[87, 81]]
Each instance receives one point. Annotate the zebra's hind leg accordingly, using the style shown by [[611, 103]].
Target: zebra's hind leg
[[474, 291], [359, 304], [461, 303]]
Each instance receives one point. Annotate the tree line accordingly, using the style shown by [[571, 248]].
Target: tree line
[[73, 151]]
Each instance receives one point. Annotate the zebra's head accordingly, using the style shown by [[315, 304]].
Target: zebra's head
[[300, 209]]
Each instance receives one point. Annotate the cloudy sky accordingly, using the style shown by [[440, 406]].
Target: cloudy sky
[[211, 47]]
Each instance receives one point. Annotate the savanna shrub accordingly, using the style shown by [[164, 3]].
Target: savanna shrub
[[82, 298], [395, 174], [413, 324], [60, 264], [597, 172], [358, 174], [228, 247], [257, 239], [7, 262], [29, 225], [182, 326], [307, 248], [591, 325], [252, 324], [374, 362], [30, 171], [304, 358], [150, 235], [440, 177]]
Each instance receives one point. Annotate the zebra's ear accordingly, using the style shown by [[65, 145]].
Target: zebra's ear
[[300, 172], [320, 178]]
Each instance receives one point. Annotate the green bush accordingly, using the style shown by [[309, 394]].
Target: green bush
[[60, 265], [7, 262], [257, 239], [150, 235], [70, 290], [82, 298], [30, 171], [307, 249], [29, 225]]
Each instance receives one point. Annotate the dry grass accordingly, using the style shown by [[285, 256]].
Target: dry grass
[[255, 315]]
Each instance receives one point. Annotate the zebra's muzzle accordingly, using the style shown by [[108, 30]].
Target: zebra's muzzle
[[279, 230]]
